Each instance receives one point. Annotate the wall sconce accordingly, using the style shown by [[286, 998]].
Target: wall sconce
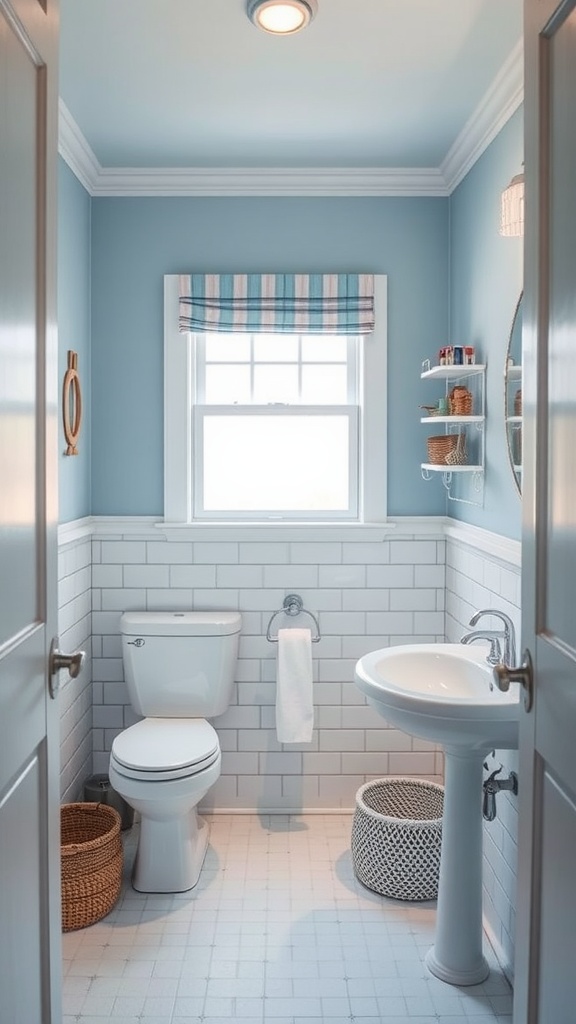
[[512, 208], [281, 17]]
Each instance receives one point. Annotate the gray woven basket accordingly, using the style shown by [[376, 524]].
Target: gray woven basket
[[396, 837]]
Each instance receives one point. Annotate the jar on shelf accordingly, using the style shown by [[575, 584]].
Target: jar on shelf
[[460, 401]]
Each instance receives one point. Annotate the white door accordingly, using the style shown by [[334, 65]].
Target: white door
[[29, 826], [545, 983]]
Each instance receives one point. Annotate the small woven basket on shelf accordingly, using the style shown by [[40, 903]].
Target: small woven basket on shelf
[[439, 447], [396, 837], [458, 456], [460, 401], [91, 863]]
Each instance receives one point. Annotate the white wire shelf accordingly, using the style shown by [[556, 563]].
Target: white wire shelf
[[452, 419], [452, 371], [433, 467], [513, 373]]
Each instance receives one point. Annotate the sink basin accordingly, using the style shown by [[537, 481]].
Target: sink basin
[[443, 693]]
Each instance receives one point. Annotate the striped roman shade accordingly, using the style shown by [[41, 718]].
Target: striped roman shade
[[277, 303]]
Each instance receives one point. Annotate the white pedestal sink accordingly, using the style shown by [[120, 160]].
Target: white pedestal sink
[[444, 693]]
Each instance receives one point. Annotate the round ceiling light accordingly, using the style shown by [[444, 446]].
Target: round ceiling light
[[282, 17]]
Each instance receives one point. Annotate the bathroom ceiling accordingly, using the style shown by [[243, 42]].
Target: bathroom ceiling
[[192, 83]]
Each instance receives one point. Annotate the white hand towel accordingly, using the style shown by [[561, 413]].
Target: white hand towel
[[294, 705]]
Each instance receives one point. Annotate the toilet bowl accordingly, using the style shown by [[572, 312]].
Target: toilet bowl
[[163, 767], [175, 664]]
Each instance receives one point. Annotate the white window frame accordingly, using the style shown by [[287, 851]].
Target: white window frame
[[350, 413], [352, 348], [178, 418]]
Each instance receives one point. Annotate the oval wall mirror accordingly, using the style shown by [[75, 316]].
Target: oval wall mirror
[[513, 394]]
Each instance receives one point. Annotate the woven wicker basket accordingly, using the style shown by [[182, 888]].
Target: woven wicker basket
[[439, 447], [458, 456], [396, 837], [91, 861], [460, 401]]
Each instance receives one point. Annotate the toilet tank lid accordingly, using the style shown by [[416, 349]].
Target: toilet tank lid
[[215, 623]]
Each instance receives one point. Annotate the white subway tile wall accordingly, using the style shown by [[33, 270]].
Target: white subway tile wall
[[414, 586], [363, 595], [475, 581], [76, 695]]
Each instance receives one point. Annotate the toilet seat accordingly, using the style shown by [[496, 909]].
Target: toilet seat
[[157, 749]]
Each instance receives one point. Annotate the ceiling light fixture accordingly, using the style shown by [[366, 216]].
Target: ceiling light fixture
[[512, 208], [281, 17]]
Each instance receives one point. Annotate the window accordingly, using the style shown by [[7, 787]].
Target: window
[[265, 427], [275, 426]]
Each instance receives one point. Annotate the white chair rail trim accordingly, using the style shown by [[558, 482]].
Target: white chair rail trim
[[504, 549]]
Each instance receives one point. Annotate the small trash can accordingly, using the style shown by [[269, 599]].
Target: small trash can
[[98, 789], [396, 837]]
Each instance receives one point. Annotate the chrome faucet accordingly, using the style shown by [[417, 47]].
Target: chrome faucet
[[507, 635], [494, 656]]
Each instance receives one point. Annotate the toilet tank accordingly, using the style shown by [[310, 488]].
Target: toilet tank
[[180, 664]]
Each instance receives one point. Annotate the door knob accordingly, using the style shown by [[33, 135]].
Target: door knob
[[57, 660], [523, 674]]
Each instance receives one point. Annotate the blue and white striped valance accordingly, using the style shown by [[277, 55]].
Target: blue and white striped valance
[[277, 303]]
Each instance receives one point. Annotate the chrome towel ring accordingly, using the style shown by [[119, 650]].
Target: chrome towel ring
[[293, 605]]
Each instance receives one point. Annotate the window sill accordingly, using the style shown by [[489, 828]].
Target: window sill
[[267, 530], [150, 528]]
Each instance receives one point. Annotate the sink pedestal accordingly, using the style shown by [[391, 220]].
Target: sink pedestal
[[456, 956]]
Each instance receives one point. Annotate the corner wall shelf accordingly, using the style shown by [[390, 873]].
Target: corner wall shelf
[[435, 468], [464, 483], [453, 419], [453, 372]]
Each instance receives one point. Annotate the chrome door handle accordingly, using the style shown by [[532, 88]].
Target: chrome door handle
[[522, 674], [57, 660]]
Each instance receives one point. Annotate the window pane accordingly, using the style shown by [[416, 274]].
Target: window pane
[[330, 348], [227, 384], [270, 348], [276, 463], [227, 348], [275, 384], [324, 385]]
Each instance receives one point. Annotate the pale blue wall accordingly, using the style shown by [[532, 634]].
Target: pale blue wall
[[74, 333], [136, 241], [450, 274], [485, 283]]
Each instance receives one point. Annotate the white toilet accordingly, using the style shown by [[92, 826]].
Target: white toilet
[[179, 668]]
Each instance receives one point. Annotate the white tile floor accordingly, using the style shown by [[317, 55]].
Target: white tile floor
[[277, 931]]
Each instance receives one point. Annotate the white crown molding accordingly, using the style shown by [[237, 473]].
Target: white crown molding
[[269, 181], [239, 181], [74, 149], [501, 101]]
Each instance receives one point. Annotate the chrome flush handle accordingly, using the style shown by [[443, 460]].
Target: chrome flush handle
[[522, 674], [58, 660]]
